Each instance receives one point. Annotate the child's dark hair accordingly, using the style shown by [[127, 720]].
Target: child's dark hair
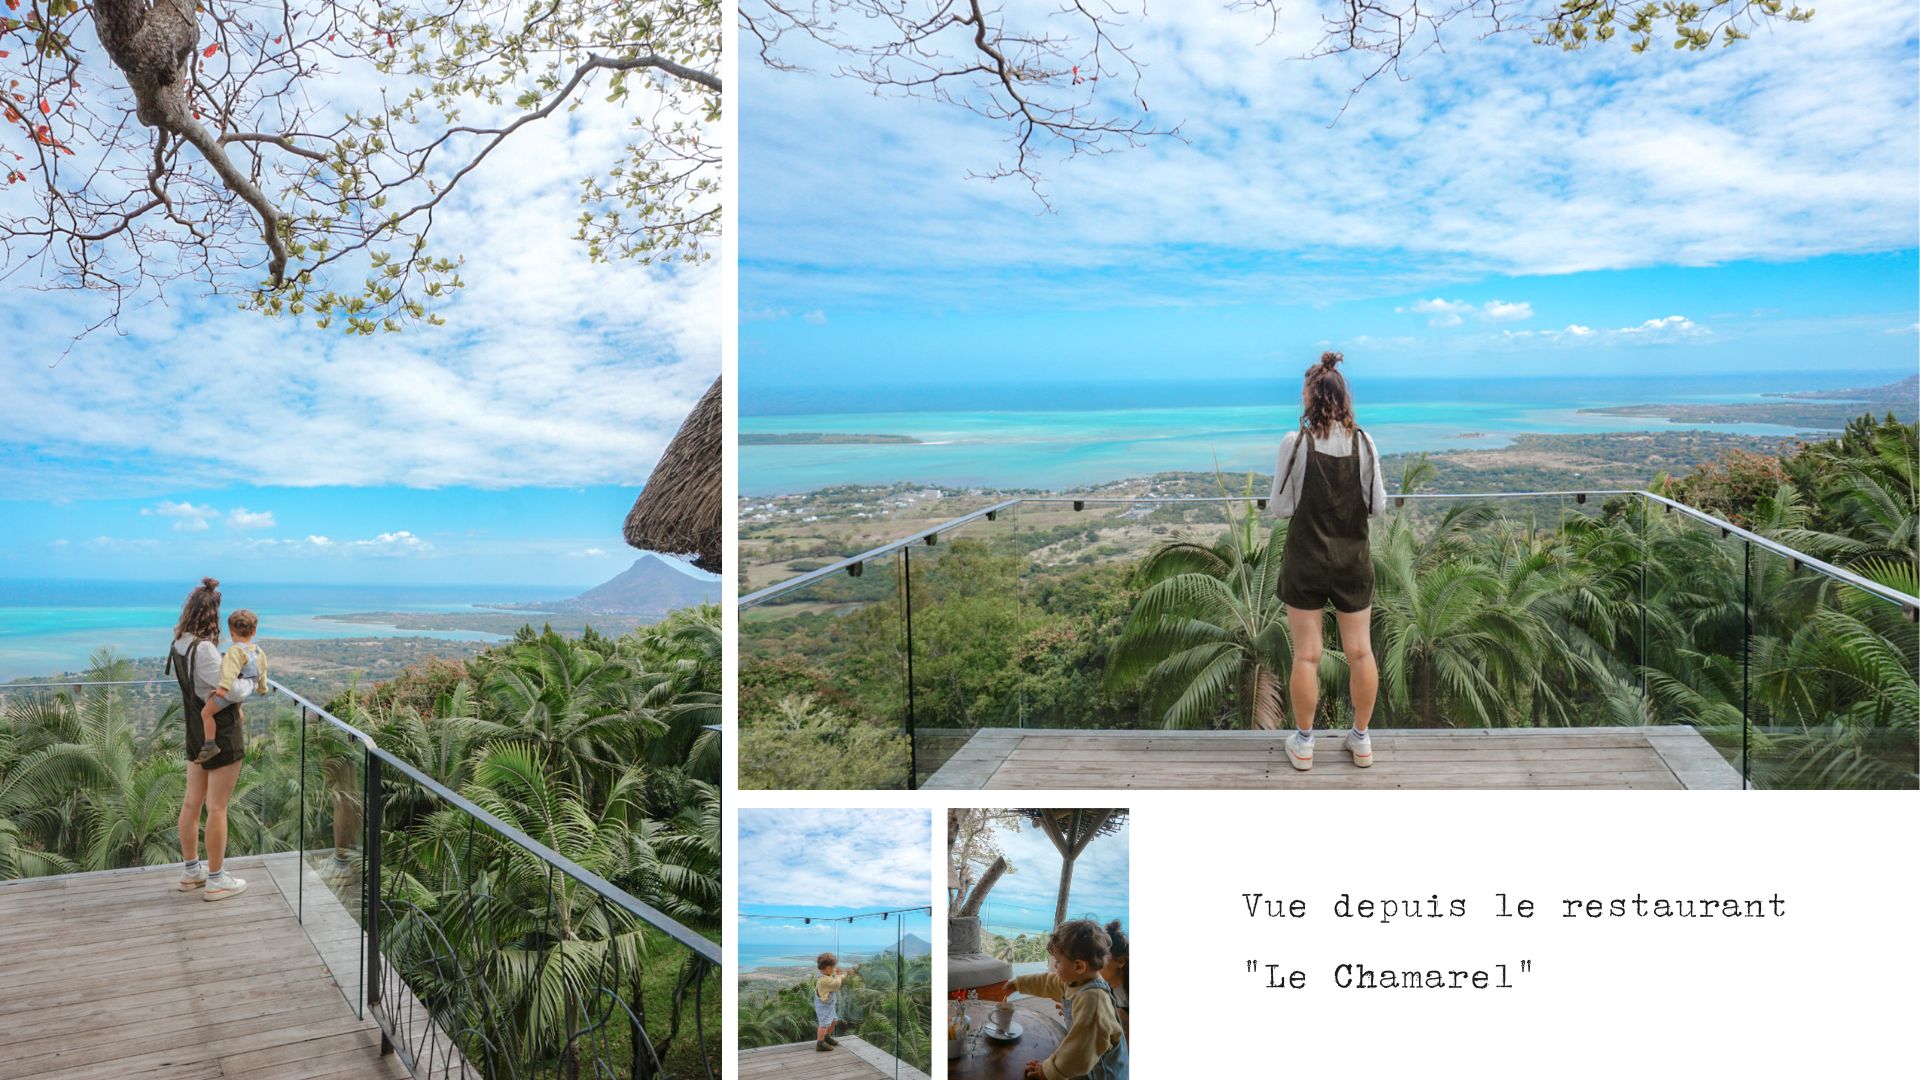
[[1119, 939], [200, 615], [1082, 940], [826, 961], [1328, 400], [243, 623]]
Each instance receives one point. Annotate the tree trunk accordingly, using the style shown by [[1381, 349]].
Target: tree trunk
[[1268, 710], [1066, 883], [153, 47]]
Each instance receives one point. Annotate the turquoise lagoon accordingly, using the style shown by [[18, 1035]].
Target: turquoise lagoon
[[1056, 437]]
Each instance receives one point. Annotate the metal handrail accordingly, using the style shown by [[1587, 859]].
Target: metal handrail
[[761, 596], [615, 895]]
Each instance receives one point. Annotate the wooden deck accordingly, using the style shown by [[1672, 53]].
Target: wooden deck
[[120, 975], [855, 1059], [1614, 757]]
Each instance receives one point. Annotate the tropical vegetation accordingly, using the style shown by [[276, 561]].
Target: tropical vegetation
[[888, 1003], [1490, 613]]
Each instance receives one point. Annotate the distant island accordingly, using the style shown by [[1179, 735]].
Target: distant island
[[1820, 410], [651, 588], [1904, 391], [819, 438], [644, 593]]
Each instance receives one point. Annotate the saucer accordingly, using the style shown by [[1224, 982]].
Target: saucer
[[1012, 1034]]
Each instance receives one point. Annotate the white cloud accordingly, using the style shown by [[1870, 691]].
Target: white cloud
[[589, 553], [391, 543], [239, 518], [185, 516], [552, 370], [1443, 312], [319, 541], [1448, 313], [1662, 331], [1502, 311], [837, 858], [60, 543], [1496, 157], [816, 317]]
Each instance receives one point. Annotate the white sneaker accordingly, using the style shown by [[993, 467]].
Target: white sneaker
[[195, 880], [1360, 745], [1300, 751], [224, 886]]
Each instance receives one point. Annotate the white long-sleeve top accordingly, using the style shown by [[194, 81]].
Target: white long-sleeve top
[[1338, 442]]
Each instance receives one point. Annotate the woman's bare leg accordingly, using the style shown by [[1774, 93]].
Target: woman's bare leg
[[219, 790], [1356, 641], [190, 812], [1304, 685]]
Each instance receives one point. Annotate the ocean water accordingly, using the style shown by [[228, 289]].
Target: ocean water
[[54, 626], [1053, 436], [755, 957]]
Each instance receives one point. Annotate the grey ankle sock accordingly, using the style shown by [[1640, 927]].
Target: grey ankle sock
[[1305, 736], [193, 866]]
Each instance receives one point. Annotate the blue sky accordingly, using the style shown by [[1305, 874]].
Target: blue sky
[[1024, 899], [1508, 209], [505, 447], [339, 535], [833, 862]]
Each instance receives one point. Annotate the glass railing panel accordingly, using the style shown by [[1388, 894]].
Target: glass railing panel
[[823, 682], [493, 961], [327, 892], [910, 969], [126, 739], [966, 631], [1831, 681], [1696, 612]]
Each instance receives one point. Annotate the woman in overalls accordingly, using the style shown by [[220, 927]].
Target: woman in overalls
[[194, 661], [1328, 482]]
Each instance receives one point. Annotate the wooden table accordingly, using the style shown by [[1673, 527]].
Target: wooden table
[[986, 1059]]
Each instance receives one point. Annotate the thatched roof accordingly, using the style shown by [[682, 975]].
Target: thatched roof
[[678, 513]]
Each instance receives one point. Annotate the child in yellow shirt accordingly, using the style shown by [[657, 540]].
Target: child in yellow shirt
[[1095, 1046], [826, 999], [243, 674]]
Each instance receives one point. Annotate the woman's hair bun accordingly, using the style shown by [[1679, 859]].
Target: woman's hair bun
[[209, 583], [1330, 359]]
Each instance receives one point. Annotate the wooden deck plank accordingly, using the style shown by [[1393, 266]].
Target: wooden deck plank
[[855, 1059], [121, 975], [1665, 757]]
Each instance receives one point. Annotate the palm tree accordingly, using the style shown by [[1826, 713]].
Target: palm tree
[[576, 703], [1209, 633]]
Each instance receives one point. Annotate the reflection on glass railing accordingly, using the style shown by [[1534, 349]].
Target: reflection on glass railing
[[94, 773], [866, 976], [823, 682], [1535, 610]]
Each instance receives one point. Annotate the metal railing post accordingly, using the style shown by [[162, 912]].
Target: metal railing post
[[913, 739], [371, 879], [1746, 661], [300, 811]]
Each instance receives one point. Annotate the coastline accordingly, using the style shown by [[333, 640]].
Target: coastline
[[1047, 445], [781, 536]]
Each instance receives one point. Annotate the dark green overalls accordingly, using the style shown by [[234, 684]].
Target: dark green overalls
[[226, 722], [1327, 558]]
